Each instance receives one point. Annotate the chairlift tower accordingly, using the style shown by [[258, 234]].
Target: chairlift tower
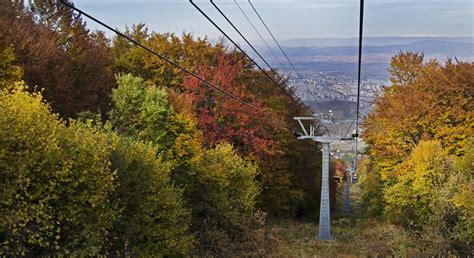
[[349, 180], [324, 208], [348, 176]]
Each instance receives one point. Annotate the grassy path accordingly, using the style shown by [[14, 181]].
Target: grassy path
[[354, 235]]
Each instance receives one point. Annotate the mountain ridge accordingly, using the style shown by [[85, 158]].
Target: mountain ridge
[[375, 41], [428, 47]]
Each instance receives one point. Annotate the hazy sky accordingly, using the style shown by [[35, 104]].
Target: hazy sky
[[293, 19]]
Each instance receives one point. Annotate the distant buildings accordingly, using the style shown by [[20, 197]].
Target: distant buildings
[[320, 87]]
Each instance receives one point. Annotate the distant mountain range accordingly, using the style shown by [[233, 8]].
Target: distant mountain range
[[340, 55], [372, 41], [428, 47]]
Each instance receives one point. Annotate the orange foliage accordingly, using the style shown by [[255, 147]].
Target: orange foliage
[[224, 119], [426, 101]]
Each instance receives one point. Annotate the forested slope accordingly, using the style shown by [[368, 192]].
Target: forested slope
[[419, 171], [106, 149]]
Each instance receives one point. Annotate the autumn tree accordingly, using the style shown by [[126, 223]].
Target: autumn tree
[[422, 198], [437, 104], [224, 193], [36, 51], [9, 72], [420, 128], [254, 131], [223, 119], [187, 51], [218, 185], [58, 54], [152, 218], [55, 180]]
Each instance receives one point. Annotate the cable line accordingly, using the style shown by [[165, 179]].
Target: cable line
[[361, 26], [276, 41], [284, 53], [241, 35], [353, 120], [269, 48], [245, 39], [284, 89], [258, 33], [228, 94], [361, 23]]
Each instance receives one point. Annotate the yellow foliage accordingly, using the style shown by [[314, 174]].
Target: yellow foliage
[[55, 180]]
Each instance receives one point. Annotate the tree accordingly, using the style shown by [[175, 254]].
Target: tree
[[152, 219], [406, 68], [221, 119], [224, 119], [9, 72], [44, 64], [400, 120], [186, 51], [462, 189], [55, 180], [224, 193], [372, 188], [229, 182], [418, 131], [218, 185], [142, 111], [410, 201], [58, 54], [424, 197], [249, 130]]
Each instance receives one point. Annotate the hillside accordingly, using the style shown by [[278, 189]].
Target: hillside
[[131, 142]]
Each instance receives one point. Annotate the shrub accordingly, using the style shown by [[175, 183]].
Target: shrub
[[55, 181], [410, 201], [152, 221], [462, 188], [9, 72], [219, 186], [428, 197], [142, 112], [223, 196]]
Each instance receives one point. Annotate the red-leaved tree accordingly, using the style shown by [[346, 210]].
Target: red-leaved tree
[[222, 118]]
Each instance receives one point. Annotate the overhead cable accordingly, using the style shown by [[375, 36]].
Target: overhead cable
[[361, 23], [215, 87], [276, 41], [241, 35], [271, 51], [259, 35], [283, 88]]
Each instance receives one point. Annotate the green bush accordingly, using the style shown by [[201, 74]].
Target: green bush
[[152, 219], [372, 188], [226, 184], [55, 181], [219, 186], [223, 194], [142, 112], [9, 72]]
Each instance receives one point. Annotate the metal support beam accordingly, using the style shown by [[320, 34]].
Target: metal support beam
[[324, 209]]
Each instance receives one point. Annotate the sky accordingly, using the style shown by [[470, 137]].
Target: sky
[[297, 19]]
